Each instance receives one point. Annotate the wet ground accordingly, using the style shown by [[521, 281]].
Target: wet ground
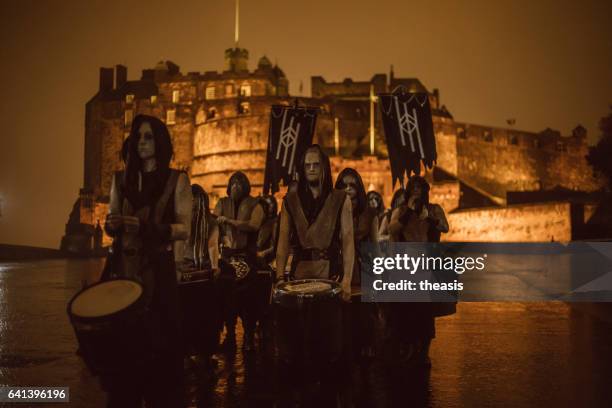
[[487, 355]]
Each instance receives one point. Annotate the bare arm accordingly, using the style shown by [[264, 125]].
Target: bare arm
[[252, 224], [348, 247], [180, 229], [374, 229], [182, 209], [282, 250], [218, 211], [440, 218], [395, 226], [114, 206], [213, 246], [374, 237], [113, 221]]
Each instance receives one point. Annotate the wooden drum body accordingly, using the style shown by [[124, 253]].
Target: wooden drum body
[[309, 322], [110, 322]]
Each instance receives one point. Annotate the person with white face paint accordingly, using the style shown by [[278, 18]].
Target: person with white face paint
[[319, 220], [364, 316], [149, 219]]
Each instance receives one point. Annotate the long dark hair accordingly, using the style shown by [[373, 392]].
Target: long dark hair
[[361, 193], [244, 182], [326, 179], [270, 205], [198, 241], [133, 162]]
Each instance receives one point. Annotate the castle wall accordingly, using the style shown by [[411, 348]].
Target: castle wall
[[223, 146], [500, 160], [516, 223], [446, 145], [321, 88], [112, 133]]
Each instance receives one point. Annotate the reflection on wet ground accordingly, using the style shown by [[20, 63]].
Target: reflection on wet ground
[[488, 354]]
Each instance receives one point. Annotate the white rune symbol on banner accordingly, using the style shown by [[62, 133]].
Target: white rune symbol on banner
[[408, 125], [288, 140]]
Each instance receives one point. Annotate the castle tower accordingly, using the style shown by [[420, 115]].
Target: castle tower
[[236, 59]]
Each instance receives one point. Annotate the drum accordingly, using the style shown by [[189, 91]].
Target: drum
[[201, 313], [110, 323], [309, 321]]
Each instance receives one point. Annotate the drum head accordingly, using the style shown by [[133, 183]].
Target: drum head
[[105, 298], [308, 287]]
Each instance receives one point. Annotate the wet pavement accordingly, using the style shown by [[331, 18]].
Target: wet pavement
[[487, 355]]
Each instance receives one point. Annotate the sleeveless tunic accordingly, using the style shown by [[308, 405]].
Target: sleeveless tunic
[[317, 254]]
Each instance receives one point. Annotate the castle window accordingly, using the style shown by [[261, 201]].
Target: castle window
[[127, 117], [513, 140], [129, 98], [561, 147], [176, 95], [488, 136], [126, 135], [244, 108], [245, 90], [536, 143], [170, 117], [212, 113], [153, 98], [229, 90], [210, 92], [461, 133]]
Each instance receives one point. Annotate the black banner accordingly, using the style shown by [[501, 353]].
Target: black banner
[[409, 132], [290, 133]]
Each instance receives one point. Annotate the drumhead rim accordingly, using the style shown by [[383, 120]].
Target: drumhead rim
[[334, 288], [72, 316]]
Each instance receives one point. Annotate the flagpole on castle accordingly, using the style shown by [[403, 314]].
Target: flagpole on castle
[[237, 23]]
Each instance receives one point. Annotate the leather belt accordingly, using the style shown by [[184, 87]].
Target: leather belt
[[313, 254]]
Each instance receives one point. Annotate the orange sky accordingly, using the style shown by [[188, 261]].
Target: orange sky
[[545, 63]]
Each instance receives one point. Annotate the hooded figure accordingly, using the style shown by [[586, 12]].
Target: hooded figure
[[375, 201], [240, 217], [364, 315], [319, 221], [415, 219], [365, 221]]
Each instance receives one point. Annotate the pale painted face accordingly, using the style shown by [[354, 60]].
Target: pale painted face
[[350, 186], [312, 166], [146, 141], [373, 202]]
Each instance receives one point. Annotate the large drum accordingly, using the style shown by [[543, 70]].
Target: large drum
[[110, 322], [201, 313], [309, 321]]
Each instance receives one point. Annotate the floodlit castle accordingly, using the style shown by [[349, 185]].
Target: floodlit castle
[[495, 184]]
